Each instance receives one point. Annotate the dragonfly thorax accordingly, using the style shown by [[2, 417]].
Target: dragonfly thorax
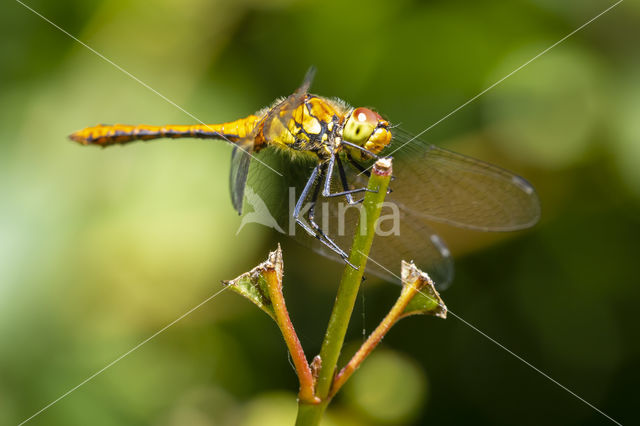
[[311, 127]]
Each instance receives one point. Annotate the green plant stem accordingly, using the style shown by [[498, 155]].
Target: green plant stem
[[396, 313], [310, 415]]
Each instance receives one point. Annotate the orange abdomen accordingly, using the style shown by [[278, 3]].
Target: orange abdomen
[[104, 135]]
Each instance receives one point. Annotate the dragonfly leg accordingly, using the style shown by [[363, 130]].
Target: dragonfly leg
[[360, 148], [365, 171], [313, 228], [305, 191], [345, 184], [347, 193], [358, 166], [324, 238], [303, 196]]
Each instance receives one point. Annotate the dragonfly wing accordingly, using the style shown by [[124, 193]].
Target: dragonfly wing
[[444, 186], [279, 118], [306, 82], [401, 236], [271, 199], [240, 161], [275, 125], [277, 194], [415, 241]]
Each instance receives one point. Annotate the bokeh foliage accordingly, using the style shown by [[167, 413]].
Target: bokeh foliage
[[99, 249]]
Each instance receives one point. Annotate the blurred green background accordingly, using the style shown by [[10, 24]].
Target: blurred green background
[[99, 249]]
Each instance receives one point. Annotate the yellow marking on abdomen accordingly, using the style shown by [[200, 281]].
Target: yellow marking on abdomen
[[105, 135]]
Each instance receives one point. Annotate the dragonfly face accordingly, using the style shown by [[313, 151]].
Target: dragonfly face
[[366, 128]]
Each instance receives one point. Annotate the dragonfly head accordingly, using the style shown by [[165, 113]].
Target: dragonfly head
[[367, 129]]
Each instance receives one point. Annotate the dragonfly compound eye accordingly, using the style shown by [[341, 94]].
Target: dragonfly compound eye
[[360, 125]]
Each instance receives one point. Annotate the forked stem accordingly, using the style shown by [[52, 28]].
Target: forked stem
[[308, 414], [418, 296]]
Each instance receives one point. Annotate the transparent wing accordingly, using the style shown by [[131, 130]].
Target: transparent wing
[[275, 122], [431, 184], [240, 161], [279, 117], [403, 236], [440, 185]]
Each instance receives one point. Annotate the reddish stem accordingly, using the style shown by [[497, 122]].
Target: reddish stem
[[305, 376]]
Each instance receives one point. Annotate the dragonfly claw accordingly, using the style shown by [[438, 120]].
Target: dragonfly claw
[[351, 264]]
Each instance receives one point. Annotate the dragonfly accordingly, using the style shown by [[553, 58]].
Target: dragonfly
[[312, 159]]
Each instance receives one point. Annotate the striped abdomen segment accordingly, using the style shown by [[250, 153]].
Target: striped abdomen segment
[[105, 135]]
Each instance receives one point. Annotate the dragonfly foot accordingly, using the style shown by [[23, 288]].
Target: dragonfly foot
[[351, 264]]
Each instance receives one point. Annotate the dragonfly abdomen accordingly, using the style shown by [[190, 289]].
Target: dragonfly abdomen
[[105, 135]]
